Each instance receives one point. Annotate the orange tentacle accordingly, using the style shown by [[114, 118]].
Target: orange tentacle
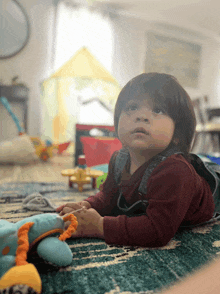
[[23, 244], [72, 227]]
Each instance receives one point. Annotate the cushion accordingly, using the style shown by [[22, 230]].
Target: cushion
[[19, 150]]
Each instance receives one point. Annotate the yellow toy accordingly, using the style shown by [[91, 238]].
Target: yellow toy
[[43, 151], [82, 175], [80, 179]]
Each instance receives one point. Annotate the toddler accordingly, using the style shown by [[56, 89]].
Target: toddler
[[152, 188]]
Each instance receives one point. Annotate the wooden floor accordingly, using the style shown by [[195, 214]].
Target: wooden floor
[[49, 171]]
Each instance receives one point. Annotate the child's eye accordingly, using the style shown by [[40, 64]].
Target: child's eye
[[158, 110], [131, 107]]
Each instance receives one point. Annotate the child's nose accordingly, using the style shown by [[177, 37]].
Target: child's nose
[[142, 116]]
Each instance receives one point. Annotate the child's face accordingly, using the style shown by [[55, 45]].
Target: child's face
[[141, 127]]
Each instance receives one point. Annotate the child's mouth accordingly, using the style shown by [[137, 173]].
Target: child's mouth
[[140, 131]]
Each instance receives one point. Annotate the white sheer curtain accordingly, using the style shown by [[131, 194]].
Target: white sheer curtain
[[76, 27], [79, 26]]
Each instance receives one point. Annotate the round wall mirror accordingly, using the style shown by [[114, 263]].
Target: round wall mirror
[[14, 28]]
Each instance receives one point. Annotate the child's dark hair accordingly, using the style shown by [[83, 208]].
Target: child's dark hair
[[164, 91]]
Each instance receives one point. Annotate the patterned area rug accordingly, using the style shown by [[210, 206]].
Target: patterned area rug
[[108, 269]]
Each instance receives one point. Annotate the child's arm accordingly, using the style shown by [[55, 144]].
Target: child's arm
[[171, 196], [69, 207], [175, 194], [90, 224], [105, 200]]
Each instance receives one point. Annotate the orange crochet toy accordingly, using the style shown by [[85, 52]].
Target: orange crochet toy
[[17, 241]]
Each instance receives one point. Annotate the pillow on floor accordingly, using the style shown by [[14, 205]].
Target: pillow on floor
[[19, 150]]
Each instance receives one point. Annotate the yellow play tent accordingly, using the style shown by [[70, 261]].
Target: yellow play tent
[[81, 75]]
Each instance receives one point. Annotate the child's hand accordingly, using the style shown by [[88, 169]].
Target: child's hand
[[90, 224], [71, 207]]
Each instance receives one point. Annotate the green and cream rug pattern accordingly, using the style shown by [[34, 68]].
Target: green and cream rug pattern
[[110, 269]]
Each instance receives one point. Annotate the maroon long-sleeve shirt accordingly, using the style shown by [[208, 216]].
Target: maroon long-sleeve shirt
[[176, 194]]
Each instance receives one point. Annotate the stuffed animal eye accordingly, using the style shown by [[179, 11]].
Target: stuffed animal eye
[[6, 250]]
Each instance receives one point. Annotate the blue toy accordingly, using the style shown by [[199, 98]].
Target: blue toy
[[5, 103], [18, 239]]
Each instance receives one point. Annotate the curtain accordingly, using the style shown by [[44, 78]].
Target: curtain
[[78, 27]]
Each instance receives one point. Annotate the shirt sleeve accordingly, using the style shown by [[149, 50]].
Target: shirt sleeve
[[170, 192], [105, 201]]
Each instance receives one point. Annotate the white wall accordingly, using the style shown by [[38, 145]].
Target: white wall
[[33, 63], [131, 49], [210, 72]]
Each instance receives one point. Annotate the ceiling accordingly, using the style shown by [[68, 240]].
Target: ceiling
[[201, 16]]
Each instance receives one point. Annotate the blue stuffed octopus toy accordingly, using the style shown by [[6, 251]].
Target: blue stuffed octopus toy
[[16, 241]]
